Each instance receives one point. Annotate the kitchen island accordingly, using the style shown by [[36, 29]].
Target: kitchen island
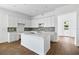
[[37, 42]]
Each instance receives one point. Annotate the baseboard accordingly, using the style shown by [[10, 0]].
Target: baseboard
[[3, 42], [12, 41], [67, 36]]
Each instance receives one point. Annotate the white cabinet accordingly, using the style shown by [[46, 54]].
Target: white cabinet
[[48, 21], [12, 36], [27, 23], [34, 22], [12, 21], [53, 21], [21, 20]]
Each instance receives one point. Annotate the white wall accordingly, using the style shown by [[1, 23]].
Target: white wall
[[60, 26]]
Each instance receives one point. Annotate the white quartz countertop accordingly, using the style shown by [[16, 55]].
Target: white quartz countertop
[[42, 34]]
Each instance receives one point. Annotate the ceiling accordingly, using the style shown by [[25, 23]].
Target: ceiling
[[31, 9]]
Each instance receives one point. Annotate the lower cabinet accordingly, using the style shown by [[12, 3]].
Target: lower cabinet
[[12, 36]]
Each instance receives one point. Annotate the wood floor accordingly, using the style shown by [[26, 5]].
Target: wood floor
[[64, 46]]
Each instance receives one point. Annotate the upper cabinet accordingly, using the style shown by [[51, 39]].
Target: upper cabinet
[[12, 21], [27, 23], [35, 22], [21, 20], [3, 20], [46, 21]]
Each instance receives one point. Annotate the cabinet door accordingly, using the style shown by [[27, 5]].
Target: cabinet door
[[35, 23], [21, 20], [53, 21], [12, 21], [47, 22]]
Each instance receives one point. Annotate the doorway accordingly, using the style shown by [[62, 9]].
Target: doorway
[[67, 25]]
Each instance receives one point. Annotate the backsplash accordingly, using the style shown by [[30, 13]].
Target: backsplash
[[14, 29], [40, 29], [28, 29], [11, 29]]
